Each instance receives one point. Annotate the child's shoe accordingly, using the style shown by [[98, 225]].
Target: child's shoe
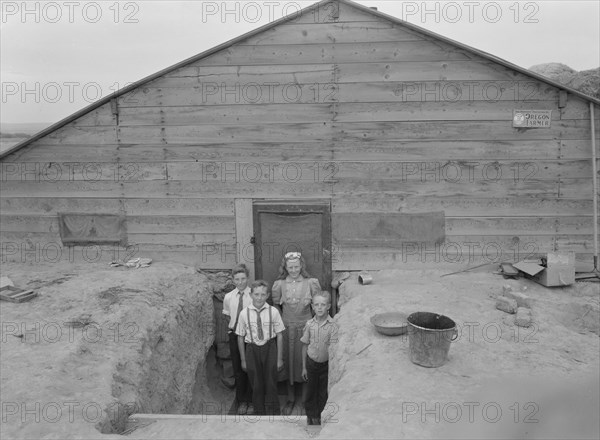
[[242, 409]]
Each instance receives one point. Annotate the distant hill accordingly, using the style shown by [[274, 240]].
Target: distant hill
[[585, 81], [26, 128], [14, 133]]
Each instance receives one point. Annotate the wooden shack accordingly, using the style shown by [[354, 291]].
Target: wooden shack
[[362, 140]]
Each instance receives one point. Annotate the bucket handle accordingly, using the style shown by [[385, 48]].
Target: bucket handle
[[455, 335]]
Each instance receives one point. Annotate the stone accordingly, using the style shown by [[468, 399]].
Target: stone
[[523, 317], [521, 299], [507, 305]]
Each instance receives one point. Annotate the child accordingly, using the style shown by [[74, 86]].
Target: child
[[319, 332], [259, 326], [233, 303], [293, 291]]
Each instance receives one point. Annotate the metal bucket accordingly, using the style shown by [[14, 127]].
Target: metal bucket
[[429, 337]]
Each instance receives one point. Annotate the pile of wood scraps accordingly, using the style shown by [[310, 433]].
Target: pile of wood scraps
[[8, 292]]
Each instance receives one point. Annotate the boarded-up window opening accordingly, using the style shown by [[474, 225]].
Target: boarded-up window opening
[[388, 229], [85, 229]]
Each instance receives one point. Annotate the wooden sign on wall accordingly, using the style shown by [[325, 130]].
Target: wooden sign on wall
[[532, 118]]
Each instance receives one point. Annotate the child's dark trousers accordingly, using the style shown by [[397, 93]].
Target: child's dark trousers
[[261, 364], [243, 392], [316, 388]]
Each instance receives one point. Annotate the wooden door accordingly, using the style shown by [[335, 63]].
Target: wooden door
[[281, 228]]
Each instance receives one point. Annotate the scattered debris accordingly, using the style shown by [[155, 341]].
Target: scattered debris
[[82, 320], [507, 305], [364, 349], [135, 262], [338, 279], [521, 299], [523, 317], [508, 271], [365, 278], [16, 295], [465, 270], [555, 269]]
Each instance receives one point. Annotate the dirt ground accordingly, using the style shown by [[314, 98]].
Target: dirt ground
[[501, 381], [100, 343]]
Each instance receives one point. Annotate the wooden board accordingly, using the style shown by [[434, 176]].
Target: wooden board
[[16, 295], [210, 134], [40, 206], [225, 114], [339, 32], [459, 206], [282, 74], [520, 93], [152, 152], [244, 230], [168, 189], [376, 229]]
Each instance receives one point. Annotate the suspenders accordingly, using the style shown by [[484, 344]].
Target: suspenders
[[270, 324]]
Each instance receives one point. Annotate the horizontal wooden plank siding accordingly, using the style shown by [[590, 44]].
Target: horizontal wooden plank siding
[[382, 121]]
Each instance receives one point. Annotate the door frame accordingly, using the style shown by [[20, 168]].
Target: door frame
[[319, 206]]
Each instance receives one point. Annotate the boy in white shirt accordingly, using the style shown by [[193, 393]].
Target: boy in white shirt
[[260, 327], [233, 303]]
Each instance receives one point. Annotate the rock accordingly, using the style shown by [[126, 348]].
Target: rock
[[521, 299], [523, 318], [507, 305]]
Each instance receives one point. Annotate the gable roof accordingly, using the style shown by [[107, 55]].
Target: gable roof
[[268, 26]]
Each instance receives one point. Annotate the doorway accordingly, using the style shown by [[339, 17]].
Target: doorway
[[281, 227]]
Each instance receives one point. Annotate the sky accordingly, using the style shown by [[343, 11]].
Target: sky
[[59, 56]]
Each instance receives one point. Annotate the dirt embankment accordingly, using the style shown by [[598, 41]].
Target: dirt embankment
[[100, 343], [501, 381]]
